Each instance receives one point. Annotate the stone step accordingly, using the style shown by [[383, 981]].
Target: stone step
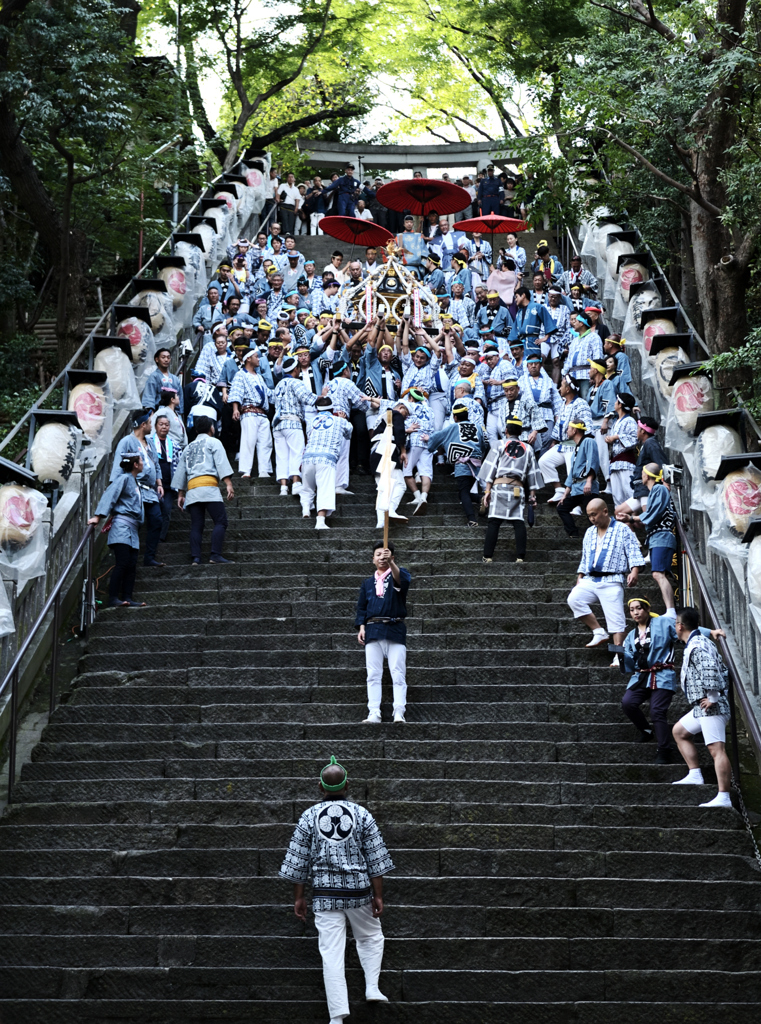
[[410, 812], [521, 987], [638, 892], [273, 836], [410, 922], [283, 956]]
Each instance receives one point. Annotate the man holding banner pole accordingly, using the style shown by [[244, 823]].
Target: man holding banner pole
[[388, 457]]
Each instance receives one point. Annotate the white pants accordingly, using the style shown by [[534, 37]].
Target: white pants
[[301, 226], [554, 460], [620, 485], [289, 449], [342, 466], [610, 597], [603, 454], [255, 435], [422, 459], [320, 480], [398, 488], [314, 222], [438, 404], [375, 652], [713, 727], [331, 929], [495, 425]]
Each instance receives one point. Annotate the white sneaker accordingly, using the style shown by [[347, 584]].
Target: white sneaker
[[415, 498], [599, 637], [558, 495], [694, 777], [720, 800], [321, 524], [422, 506], [343, 490], [373, 718], [615, 663], [576, 511], [374, 995], [395, 515], [284, 490], [296, 487], [399, 717]]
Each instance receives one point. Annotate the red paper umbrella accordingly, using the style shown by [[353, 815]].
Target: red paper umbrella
[[355, 231], [423, 195], [493, 225]]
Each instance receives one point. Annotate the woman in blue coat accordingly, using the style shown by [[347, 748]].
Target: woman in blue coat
[[123, 501]]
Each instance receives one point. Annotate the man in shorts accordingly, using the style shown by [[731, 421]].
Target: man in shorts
[[704, 681]]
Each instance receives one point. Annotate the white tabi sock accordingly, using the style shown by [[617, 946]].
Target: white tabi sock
[[694, 777], [720, 800]]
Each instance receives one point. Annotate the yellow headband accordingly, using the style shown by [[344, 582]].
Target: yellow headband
[[385, 346], [514, 420], [510, 384], [597, 366], [578, 426], [655, 476], [638, 600]]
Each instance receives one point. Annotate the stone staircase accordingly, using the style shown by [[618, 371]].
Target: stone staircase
[[546, 870]]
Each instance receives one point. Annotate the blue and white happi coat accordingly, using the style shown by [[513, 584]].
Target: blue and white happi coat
[[249, 389], [577, 411], [291, 398], [618, 555], [328, 434], [338, 846]]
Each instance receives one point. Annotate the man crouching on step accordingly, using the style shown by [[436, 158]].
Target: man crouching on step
[[338, 846]]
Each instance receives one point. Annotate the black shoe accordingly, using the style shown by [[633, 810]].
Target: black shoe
[[196, 561], [117, 603], [154, 563], [645, 737], [664, 757], [219, 560]]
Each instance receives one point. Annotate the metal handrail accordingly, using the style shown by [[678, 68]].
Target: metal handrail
[[54, 602], [736, 686]]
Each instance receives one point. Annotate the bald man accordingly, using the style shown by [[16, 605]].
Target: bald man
[[338, 846], [610, 560]]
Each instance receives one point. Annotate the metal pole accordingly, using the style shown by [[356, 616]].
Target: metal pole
[[54, 651], [12, 738]]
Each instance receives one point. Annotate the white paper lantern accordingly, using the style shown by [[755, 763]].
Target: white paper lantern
[[742, 498], [54, 452], [138, 334], [152, 302], [602, 238], [18, 518], [713, 443], [113, 361], [254, 178], [88, 401], [206, 231], [176, 284], [632, 273], [665, 362], [754, 570], [191, 254], [642, 301], [691, 395], [614, 250], [231, 201], [654, 328], [220, 216]]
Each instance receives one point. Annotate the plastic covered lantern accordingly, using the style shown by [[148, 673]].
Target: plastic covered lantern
[[139, 335], [631, 273], [713, 444], [654, 328], [691, 396], [741, 497], [176, 284], [54, 450], [23, 525], [89, 402], [754, 571], [665, 361]]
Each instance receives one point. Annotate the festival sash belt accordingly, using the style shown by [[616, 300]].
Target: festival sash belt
[[652, 671], [203, 481]]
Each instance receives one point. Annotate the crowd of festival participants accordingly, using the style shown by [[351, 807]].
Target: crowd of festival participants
[[515, 389], [518, 387]]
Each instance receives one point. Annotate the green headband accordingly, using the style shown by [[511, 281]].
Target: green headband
[[340, 785]]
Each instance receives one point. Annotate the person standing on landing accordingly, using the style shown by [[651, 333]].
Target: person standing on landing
[[338, 846], [381, 611]]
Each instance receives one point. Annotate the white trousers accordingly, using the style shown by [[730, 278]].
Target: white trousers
[[620, 484], [301, 226], [342, 466], [255, 436], [289, 449], [375, 652], [603, 453], [610, 597], [495, 426], [314, 223], [398, 489], [438, 403], [368, 934], [554, 460], [318, 480], [420, 459]]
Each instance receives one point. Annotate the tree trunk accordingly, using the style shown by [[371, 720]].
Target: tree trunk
[[688, 290], [721, 286], [71, 274]]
